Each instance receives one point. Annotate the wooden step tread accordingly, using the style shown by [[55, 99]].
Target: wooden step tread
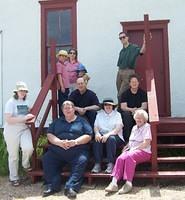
[[171, 120], [171, 146], [171, 134], [171, 159], [138, 174]]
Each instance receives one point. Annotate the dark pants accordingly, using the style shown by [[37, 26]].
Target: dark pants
[[90, 116], [62, 96], [112, 143], [53, 164], [128, 122]]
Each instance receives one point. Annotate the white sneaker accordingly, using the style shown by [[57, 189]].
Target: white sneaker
[[125, 189], [96, 168], [111, 188], [109, 169]]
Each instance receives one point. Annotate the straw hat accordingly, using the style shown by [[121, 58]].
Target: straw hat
[[20, 85]]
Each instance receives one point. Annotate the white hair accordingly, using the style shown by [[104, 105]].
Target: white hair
[[142, 113]]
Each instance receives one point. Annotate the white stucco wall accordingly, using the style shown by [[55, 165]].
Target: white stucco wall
[[98, 28], [98, 25], [20, 24]]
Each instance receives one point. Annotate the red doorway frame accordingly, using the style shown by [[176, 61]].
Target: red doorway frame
[[55, 5], [162, 25]]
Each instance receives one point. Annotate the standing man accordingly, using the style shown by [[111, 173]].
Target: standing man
[[126, 62], [69, 137], [86, 102], [131, 100]]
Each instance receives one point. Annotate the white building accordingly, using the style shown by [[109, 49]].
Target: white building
[[97, 24]]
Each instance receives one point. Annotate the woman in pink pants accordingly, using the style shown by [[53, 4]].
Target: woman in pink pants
[[138, 150]]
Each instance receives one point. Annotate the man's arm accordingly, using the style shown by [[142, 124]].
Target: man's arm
[[143, 47], [124, 107], [93, 107]]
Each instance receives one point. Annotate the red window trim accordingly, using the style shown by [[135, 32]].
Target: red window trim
[[54, 5]]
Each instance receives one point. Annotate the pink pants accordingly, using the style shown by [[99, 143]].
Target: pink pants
[[125, 165]]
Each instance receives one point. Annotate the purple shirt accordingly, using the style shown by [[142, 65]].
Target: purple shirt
[[138, 135], [72, 71]]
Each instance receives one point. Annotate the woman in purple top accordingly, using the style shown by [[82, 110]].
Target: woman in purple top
[[73, 68], [138, 150]]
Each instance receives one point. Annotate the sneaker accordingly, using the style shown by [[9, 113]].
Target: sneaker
[[125, 189], [111, 188], [29, 169], [96, 168], [15, 183], [109, 168]]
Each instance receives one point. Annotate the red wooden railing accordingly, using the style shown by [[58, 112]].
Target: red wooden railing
[[49, 84], [151, 93]]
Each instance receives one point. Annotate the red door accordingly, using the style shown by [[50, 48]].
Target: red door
[[159, 57]]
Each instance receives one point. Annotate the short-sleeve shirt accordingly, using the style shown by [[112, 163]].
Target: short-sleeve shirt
[[62, 69], [72, 71], [107, 122], [138, 135], [70, 130], [127, 56], [88, 98], [17, 107], [134, 100]]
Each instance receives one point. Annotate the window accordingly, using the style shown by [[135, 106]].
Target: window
[[58, 23]]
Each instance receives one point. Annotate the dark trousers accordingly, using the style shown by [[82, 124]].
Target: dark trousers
[[53, 164], [112, 143], [128, 122], [62, 96], [90, 116]]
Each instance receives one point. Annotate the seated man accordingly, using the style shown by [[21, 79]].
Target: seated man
[[132, 99], [69, 137], [86, 102]]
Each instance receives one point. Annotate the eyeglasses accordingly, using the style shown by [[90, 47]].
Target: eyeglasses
[[122, 37], [73, 53]]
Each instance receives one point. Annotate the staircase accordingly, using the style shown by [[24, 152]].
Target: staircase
[[171, 147]]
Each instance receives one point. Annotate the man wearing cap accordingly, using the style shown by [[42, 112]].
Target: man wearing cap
[[63, 78], [132, 99], [126, 62], [17, 133], [86, 102]]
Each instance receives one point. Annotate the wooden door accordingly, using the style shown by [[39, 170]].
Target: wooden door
[[159, 58]]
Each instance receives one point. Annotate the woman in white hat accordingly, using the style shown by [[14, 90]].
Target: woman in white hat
[[17, 133], [108, 132]]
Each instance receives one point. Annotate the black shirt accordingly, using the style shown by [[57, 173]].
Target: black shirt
[[88, 98], [134, 100]]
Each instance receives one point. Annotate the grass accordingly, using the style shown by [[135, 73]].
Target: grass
[[3, 156]]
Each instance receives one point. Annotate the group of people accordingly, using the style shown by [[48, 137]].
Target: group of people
[[83, 120]]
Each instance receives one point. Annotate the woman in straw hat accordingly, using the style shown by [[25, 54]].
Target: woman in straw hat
[[62, 77], [108, 132], [17, 133]]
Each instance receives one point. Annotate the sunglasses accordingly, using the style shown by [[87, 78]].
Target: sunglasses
[[73, 53], [123, 37]]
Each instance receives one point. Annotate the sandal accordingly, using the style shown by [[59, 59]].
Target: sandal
[[15, 183]]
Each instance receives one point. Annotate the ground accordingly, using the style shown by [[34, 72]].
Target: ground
[[143, 190]]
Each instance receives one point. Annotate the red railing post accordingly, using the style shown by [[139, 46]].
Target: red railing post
[[151, 93], [54, 84]]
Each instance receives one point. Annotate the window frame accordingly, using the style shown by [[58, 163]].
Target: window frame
[[52, 5]]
